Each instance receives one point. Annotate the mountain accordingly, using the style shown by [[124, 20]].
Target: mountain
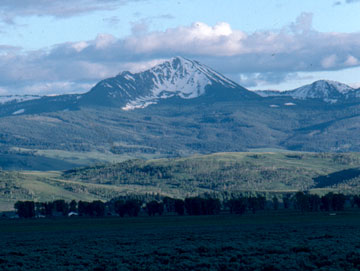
[[328, 91], [177, 77], [354, 94], [175, 109]]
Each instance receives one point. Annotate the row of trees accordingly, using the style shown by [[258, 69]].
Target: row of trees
[[207, 205], [315, 203], [190, 206], [129, 207], [241, 204]]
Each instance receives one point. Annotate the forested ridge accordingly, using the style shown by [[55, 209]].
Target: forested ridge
[[247, 172], [227, 171]]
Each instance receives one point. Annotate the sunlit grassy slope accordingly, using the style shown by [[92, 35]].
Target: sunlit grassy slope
[[222, 171], [178, 177]]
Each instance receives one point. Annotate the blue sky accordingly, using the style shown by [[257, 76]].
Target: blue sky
[[64, 46]]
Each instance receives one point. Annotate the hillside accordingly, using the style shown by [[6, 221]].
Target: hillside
[[176, 128], [230, 172], [275, 172]]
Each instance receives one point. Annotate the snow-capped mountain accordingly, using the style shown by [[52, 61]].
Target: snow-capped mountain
[[195, 110], [354, 94], [326, 90], [178, 76]]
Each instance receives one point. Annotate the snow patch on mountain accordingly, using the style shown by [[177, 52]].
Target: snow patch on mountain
[[176, 77], [20, 111]]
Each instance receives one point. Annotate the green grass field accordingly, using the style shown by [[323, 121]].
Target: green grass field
[[282, 241]]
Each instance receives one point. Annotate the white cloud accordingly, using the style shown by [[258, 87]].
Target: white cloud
[[262, 56], [142, 25], [351, 61], [303, 23], [11, 9], [197, 38], [104, 40], [141, 65], [355, 85], [329, 61], [79, 46], [3, 91]]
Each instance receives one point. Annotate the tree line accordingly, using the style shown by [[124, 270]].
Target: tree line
[[199, 205]]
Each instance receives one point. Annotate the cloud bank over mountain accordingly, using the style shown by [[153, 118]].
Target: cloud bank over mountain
[[262, 56]]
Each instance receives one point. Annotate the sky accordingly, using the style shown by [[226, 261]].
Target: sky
[[66, 46]]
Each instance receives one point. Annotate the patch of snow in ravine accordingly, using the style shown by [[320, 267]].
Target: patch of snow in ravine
[[20, 111]]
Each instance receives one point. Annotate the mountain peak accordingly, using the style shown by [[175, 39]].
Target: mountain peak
[[180, 77], [326, 90], [177, 76], [325, 84], [329, 91], [180, 61], [190, 69]]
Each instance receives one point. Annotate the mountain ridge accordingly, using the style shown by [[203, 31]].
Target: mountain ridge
[[327, 90], [176, 77]]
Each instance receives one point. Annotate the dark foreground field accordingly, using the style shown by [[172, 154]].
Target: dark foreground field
[[251, 242]]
